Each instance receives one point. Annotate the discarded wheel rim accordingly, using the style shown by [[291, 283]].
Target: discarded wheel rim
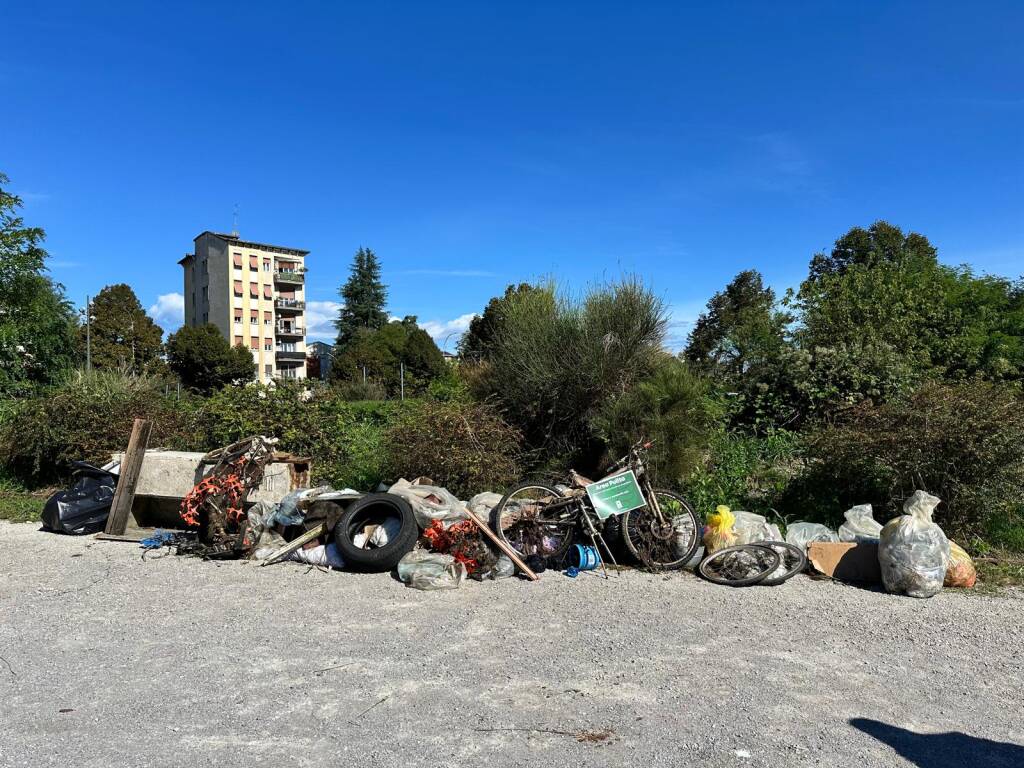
[[792, 560], [740, 566]]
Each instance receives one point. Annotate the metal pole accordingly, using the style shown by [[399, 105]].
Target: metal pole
[[88, 334]]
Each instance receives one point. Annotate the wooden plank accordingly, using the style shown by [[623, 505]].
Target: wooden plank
[[512, 554], [294, 544], [128, 479]]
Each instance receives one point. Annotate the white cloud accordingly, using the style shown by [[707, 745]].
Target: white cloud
[[320, 317], [169, 311], [447, 332]]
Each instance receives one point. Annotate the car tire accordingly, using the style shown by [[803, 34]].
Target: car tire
[[376, 508]]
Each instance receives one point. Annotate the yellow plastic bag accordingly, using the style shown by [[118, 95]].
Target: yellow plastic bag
[[960, 572], [719, 533]]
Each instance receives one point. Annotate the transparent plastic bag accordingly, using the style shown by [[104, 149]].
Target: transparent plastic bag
[[801, 534], [482, 504], [913, 552], [430, 570], [960, 572], [860, 525], [719, 533], [750, 527], [430, 502]]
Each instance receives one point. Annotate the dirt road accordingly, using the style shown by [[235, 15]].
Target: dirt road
[[110, 660]]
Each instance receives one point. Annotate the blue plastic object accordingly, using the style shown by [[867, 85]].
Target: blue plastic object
[[586, 558], [157, 540], [572, 571]]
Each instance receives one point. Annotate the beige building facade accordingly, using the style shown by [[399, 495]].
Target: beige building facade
[[254, 293]]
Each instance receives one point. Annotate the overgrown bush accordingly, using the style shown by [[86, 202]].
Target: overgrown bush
[[359, 390], [673, 409], [748, 472], [556, 360], [964, 443], [87, 418], [344, 439], [465, 447]]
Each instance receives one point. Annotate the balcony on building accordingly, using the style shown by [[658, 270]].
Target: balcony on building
[[289, 305], [289, 329], [290, 275], [286, 353]]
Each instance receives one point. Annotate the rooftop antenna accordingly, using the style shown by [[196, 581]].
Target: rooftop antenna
[[234, 222]]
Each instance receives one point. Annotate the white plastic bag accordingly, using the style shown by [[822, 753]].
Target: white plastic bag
[[860, 525], [326, 555], [750, 527], [430, 570], [430, 503], [913, 552], [802, 534], [381, 534]]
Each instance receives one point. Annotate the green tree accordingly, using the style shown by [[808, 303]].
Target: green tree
[[36, 321], [881, 243], [363, 296], [478, 340], [383, 351], [204, 361], [122, 334]]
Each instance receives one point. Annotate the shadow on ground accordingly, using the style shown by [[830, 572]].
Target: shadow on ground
[[943, 750]]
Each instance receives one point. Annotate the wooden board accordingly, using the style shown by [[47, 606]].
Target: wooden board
[[512, 554], [294, 544], [131, 466]]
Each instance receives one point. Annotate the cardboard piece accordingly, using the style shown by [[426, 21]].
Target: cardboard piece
[[846, 560]]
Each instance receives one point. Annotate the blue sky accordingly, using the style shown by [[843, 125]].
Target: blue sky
[[476, 144]]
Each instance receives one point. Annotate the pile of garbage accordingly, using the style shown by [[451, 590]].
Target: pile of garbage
[[433, 540], [910, 554]]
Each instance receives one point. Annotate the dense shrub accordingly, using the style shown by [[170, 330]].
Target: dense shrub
[[556, 360], [748, 472], [672, 409], [465, 447], [964, 443], [87, 418], [343, 438]]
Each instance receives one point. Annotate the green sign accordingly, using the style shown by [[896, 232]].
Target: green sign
[[615, 495]]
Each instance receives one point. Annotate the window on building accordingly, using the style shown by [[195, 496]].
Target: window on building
[[238, 316], [269, 369], [254, 320], [255, 342], [206, 317], [205, 293], [254, 290], [268, 318], [238, 287], [268, 345], [266, 292], [266, 265], [237, 258], [238, 340], [254, 263]]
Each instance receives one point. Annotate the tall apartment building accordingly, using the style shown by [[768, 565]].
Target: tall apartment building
[[254, 293]]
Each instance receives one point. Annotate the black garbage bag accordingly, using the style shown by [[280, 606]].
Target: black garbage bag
[[82, 508]]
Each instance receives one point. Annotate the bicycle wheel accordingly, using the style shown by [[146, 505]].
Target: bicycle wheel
[[792, 560], [535, 519], [662, 545], [739, 566]]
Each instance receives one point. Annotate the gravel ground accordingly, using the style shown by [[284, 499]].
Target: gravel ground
[[110, 660]]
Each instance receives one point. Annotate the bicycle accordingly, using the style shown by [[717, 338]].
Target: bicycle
[[658, 527]]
